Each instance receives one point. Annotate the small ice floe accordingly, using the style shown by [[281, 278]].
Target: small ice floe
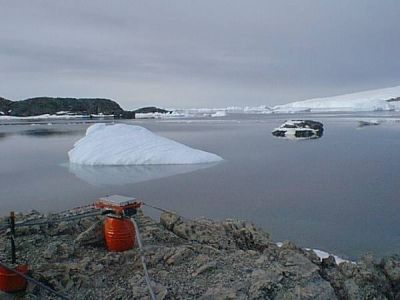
[[123, 144], [321, 254], [299, 129], [220, 113], [160, 115], [363, 123]]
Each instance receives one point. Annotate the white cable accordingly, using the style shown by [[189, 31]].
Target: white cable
[[146, 274]]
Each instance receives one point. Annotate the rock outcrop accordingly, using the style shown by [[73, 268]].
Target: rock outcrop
[[151, 109], [192, 259], [49, 105]]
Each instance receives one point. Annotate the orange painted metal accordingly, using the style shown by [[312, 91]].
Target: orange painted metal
[[11, 282], [117, 207], [119, 234]]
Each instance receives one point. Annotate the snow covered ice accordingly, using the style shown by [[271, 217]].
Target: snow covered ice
[[220, 113], [123, 144], [374, 100]]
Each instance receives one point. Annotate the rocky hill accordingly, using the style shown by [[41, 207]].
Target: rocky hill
[[191, 259], [4, 105], [151, 109], [49, 105]]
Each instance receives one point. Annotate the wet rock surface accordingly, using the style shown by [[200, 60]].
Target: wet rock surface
[[191, 259]]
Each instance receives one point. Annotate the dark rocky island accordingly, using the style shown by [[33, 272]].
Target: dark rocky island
[[75, 106], [151, 109], [190, 259]]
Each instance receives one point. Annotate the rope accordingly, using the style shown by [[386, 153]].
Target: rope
[[158, 208], [171, 212], [146, 273], [67, 217], [167, 211], [194, 242], [53, 221], [91, 205], [38, 283]]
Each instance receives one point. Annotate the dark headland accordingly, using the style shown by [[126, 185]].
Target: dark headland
[[78, 106]]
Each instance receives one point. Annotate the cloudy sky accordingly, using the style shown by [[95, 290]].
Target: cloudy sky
[[197, 53]]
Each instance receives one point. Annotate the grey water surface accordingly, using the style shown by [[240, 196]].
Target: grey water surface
[[339, 193]]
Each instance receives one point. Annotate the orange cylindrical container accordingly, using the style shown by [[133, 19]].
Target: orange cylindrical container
[[119, 234], [11, 282]]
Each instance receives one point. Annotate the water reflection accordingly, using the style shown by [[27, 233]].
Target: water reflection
[[40, 132], [44, 132], [121, 175]]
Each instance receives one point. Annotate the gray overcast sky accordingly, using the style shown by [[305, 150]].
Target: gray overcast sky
[[197, 53]]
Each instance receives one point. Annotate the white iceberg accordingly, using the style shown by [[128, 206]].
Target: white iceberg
[[122, 144], [374, 100]]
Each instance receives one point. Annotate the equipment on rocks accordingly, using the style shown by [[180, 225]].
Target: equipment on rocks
[[119, 231], [10, 281]]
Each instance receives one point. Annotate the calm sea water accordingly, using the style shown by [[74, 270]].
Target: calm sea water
[[339, 193]]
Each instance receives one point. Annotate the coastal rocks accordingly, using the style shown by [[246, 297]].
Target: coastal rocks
[[264, 282], [298, 269], [220, 293], [92, 236], [391, 268], [194, 259], [246, 235], [226, 235], [204, 268], [201, 231], [180, 254], [58, 250], [364, 280], [168, 220]]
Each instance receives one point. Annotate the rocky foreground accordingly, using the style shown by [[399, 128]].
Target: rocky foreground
[[188, 259]]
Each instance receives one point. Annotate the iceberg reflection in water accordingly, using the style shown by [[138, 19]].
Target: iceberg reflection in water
[[121, 175]]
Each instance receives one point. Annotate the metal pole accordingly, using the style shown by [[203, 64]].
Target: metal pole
[[12, 227]]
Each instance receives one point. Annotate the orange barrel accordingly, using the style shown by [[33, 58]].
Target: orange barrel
[[11, 282], [119, 234]]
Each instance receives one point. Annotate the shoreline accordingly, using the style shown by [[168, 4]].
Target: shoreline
[[191, 259]]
